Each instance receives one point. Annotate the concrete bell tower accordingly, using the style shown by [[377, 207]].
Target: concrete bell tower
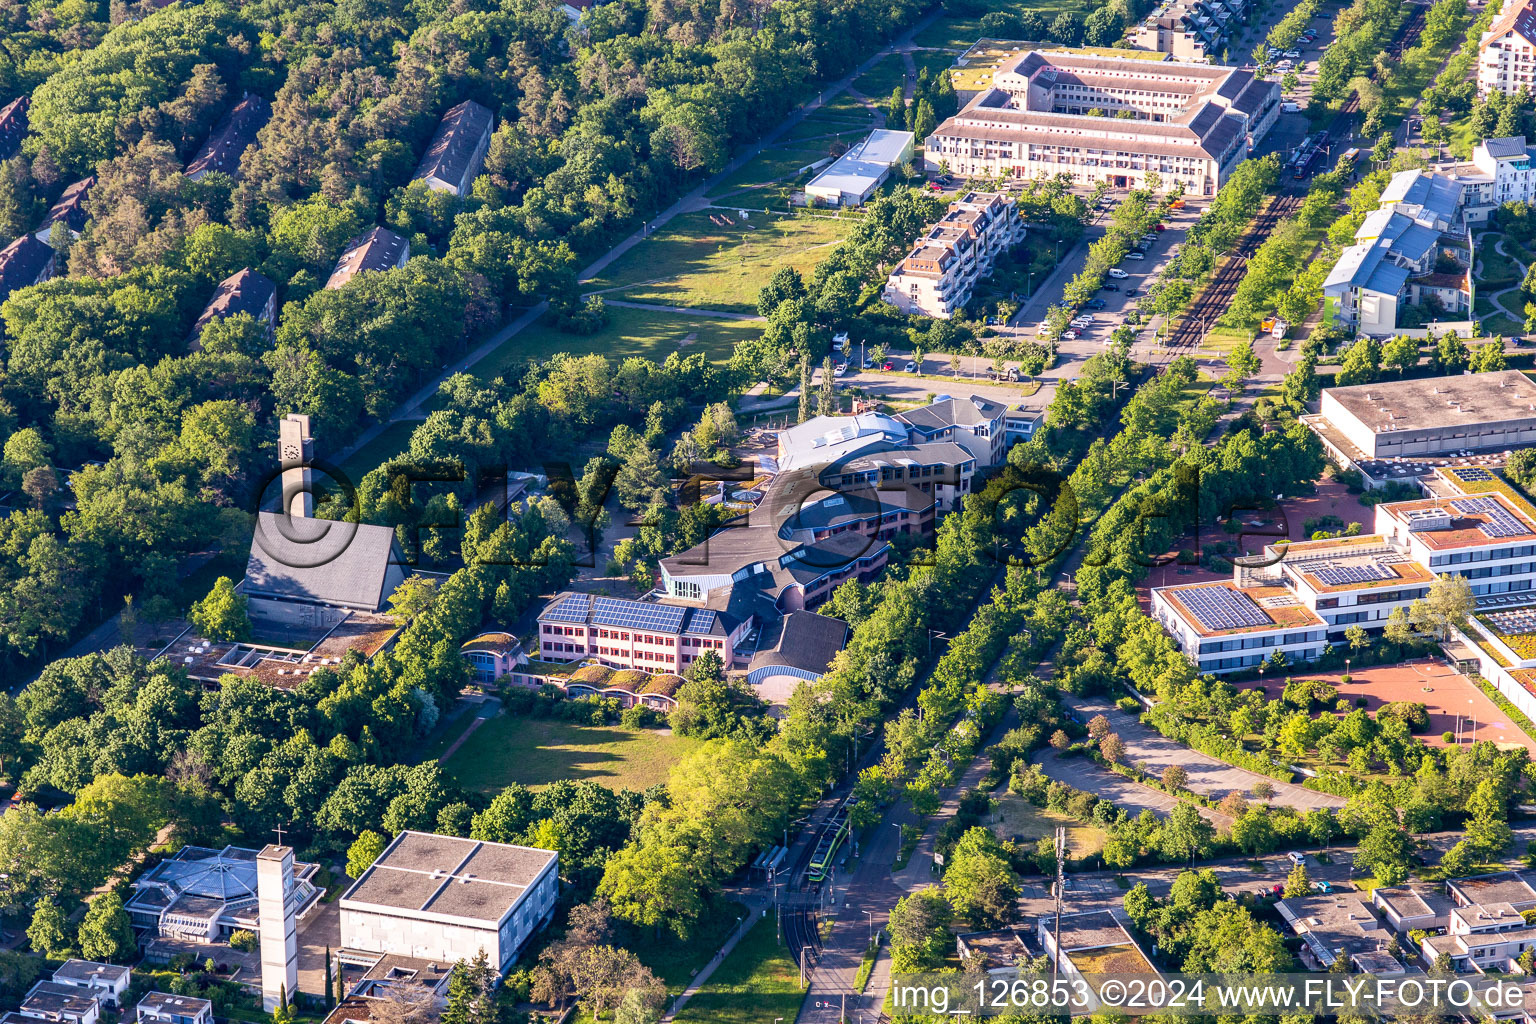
[[296, 453], [279, 935]]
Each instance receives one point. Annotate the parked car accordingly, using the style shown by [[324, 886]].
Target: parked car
[[934, 186], [1131, 293], [1293, 55], [842, 368], [1096, 304], [887, 365], [911, 367], [1117, 273], [1115, 288], [1071, 334], [1159, 227], [1297, 858], [1013, 373], [1135, 255]]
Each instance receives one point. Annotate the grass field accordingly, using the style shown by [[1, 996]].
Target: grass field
[[775, 168], [757, 983], [629, 332], [674, 960], [1017, 816], [539, 751], [393, 440], [695, 263], [881, 80]]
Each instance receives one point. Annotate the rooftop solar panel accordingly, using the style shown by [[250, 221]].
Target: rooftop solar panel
[[1500, 522], [661, 618], [573, 609], [1219, 608], [1474, 474], [701, 621], [1340, 575]]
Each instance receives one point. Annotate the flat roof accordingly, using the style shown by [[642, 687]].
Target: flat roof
[[1277, 604], [865, 164], [445, 876], [1509, 887], [1090, 930], [1470, 521], [1436, 403]]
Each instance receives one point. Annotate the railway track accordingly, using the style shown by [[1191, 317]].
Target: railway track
[[801, 932], [1217, 294]]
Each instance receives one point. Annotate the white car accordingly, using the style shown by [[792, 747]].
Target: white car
[[1118, 274], [1070, 334], [1296, 858], [1135, 255], [842, 368], [911, 367]]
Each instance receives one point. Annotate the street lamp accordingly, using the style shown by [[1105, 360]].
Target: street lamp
[[1472, 736], [871, 915]]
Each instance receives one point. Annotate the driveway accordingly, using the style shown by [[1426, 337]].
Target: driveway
[[1207, 775]]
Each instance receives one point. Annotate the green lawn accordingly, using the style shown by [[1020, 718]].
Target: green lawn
[[757, 983], [881, 80], [695, 263], [675, 961], [775, 167], [629, 332], [1018, 817], [539, 751], [394, 439]]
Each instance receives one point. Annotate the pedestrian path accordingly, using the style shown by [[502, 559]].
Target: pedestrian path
[[708, 970]]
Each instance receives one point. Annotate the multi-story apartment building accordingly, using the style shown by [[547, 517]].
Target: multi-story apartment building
[[1108, 119], [939, 275], [1195, 30], [1396, 259], [1506, 58], [1500, 172]]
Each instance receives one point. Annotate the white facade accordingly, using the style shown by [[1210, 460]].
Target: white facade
[[279, 934], [1298, 634], [1506, 59], [1108, 119], [1195, 30], [939, 275], [446, 899], [107, 982], [854, 176]]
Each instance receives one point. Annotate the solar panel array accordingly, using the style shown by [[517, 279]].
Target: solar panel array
[[573, 609], [661, 618], [701, 621], [1221, 608], [1474, 474], [1501, 522], [1513, 621], [1339, 575]]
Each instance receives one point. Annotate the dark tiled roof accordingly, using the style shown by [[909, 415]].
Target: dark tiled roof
[[70, 209], [334, 563], [13, 125], [224, 147], [459, 135], [1505, 148], [375, 249], [806, 641], [22, 263], [245, 291]]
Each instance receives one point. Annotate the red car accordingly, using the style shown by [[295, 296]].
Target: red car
[[1159, 227], [888, 365], [934, 186]]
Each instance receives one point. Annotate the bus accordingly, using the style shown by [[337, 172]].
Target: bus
[[833, 834], [1348, 160]]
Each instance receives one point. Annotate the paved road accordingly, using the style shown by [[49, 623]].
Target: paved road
[[1207, 775]]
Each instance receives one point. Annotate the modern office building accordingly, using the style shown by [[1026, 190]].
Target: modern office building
[[853, 177], [446, 899], [1108, 119], [1223, 627], [1506, 57], [643, 635], [939, 275]]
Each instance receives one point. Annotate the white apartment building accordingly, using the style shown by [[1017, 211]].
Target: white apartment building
[[938, 277], [1506, 56], [1110, 119], [1195, 30], [1500, 172]]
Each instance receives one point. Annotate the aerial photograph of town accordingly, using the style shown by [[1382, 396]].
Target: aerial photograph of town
[[767, 511]]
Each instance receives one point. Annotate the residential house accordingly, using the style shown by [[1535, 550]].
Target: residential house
[[975, 423], [1190, 30], [23, 263], [68, 211], [376, 249], [107, 982], [457, 150], [1412, 907], [231, 138], [60, 1004], [245, 291], [1500, 172], [1333, 925], [166, 1008], [13, 126]]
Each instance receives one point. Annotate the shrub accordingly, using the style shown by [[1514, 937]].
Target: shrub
[[1448, 736], [242, 940], [1130, 705]]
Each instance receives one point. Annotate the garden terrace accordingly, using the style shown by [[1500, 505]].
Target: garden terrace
[[1126, 959]]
